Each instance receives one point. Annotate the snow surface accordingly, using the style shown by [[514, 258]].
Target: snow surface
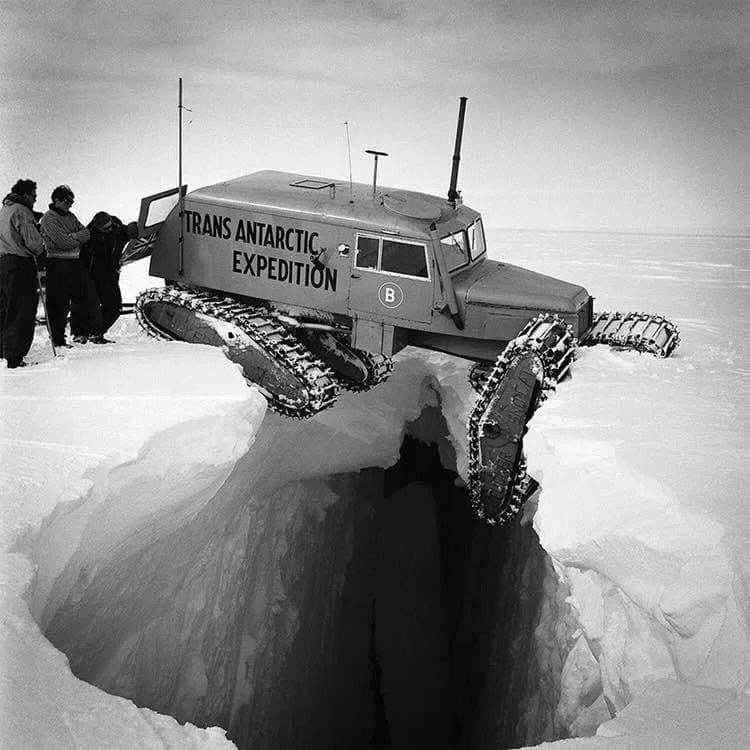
[[71, 427], [643, 509]]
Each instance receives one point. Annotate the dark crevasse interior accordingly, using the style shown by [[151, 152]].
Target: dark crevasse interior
[[404, 622]]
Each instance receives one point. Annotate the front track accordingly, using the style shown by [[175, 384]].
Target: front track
[[511, 390]]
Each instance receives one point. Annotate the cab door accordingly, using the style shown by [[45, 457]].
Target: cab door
[[155, 209], [391, 280]]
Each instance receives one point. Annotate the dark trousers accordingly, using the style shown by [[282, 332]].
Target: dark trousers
[[65, 284], [18, 302], [100, 308], [108, 289], [86, 312]]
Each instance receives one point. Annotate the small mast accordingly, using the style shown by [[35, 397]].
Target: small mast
[[453, 194]]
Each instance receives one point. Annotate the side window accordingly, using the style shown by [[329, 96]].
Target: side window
[[404, 258], [367, 252]]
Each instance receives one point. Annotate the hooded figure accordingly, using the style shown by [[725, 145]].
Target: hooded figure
[[21, 249], [100, 258], [63, 235]]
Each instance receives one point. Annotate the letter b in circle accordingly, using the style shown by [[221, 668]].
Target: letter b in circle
[[390, 295]]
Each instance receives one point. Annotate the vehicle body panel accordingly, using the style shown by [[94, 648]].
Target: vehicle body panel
[[301, 244]]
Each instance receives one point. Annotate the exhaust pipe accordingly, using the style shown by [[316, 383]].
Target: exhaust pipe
[[453, 194]]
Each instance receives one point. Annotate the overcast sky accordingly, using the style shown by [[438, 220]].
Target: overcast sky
[[621, 115]]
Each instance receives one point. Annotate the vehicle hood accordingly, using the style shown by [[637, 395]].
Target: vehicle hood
[[495, 284]]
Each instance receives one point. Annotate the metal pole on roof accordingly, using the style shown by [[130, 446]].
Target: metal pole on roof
[[375, 173], [453, 194], [349, 150], [181, 239]]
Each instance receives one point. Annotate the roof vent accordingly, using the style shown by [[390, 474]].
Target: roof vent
[[310, 183]]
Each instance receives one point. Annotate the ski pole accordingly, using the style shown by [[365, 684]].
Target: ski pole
[[41, 277]]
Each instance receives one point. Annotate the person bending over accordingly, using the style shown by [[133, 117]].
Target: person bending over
[[100, 258]]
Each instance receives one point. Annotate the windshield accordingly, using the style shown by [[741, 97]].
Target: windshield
[[455, 250], [477, 245], [465, 245]]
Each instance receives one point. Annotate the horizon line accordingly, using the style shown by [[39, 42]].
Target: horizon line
[[722, 234]]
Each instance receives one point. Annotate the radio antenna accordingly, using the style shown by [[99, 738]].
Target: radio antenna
[[349, 150], [181, 191], [181, 238]]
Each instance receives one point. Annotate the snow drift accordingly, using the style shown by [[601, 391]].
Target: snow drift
[[79, 433]]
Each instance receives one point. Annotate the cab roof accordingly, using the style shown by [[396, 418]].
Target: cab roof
[[336, 202]]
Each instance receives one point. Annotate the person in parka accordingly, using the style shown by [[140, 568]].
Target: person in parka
[[100, 258], [21, 254], [63, 235]]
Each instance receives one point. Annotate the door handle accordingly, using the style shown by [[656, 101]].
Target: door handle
[[356, 276]]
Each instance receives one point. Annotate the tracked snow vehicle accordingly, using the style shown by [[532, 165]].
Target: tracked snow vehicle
[[313, 284]]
